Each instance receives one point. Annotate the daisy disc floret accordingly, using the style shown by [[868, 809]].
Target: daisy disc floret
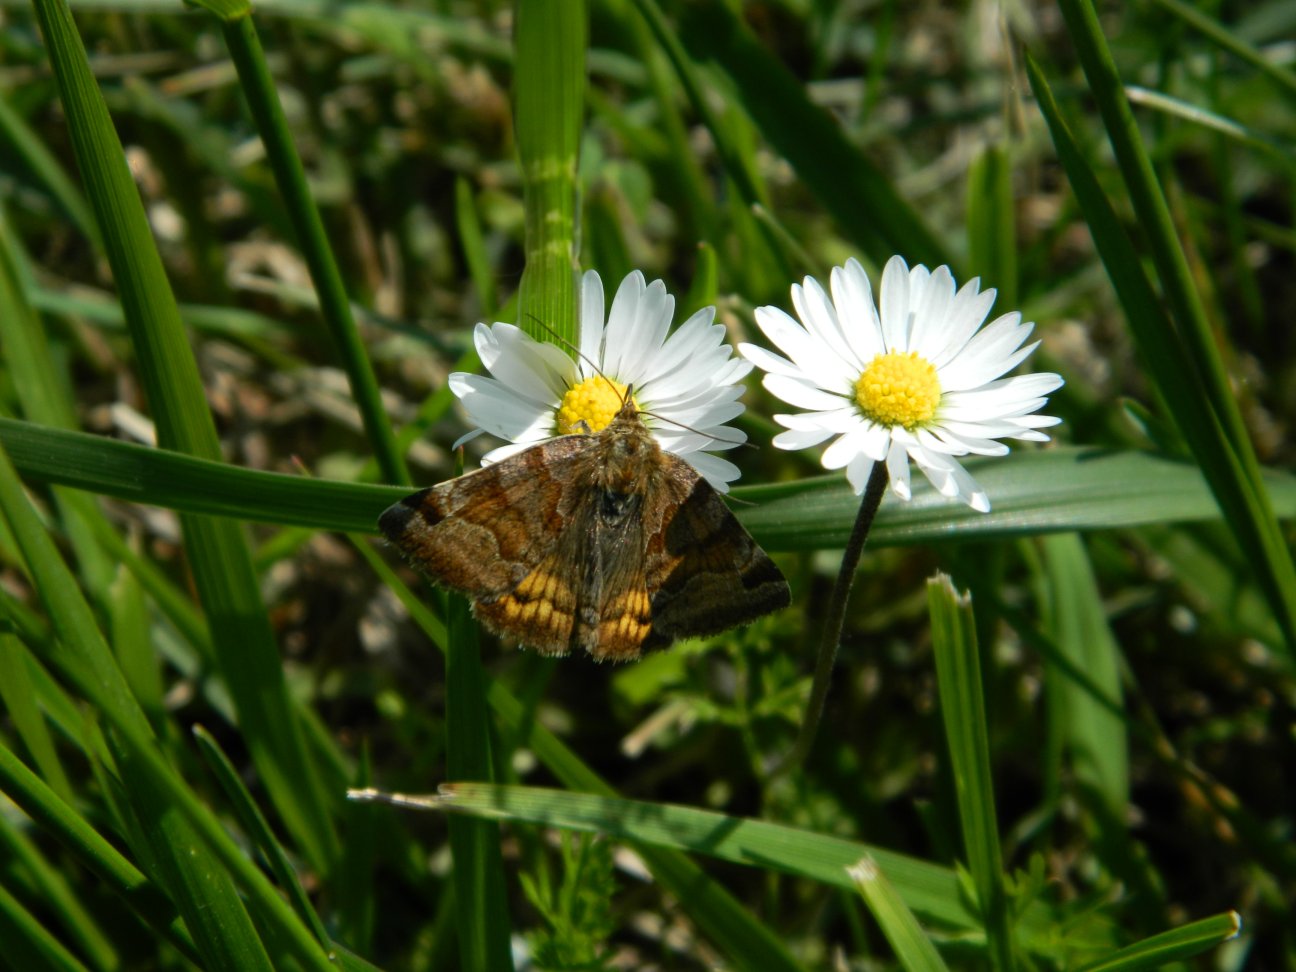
[[919, 380], [686, 382]]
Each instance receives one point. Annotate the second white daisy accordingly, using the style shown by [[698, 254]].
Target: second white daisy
[[921, 380], [687, 380]]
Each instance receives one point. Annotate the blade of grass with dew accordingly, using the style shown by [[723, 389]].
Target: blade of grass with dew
[[549, 106], [258, 88], [21, 701], [1060, 489], [92, 851], [912, 947], [1227, 456], [967, 734], [1172, 946], [47, 883], [867, 208], [1096, 737], [201, 889], [992, 224], [217, 550], [748, 942]]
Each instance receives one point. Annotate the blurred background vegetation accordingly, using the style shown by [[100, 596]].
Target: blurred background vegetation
[[728, 148]]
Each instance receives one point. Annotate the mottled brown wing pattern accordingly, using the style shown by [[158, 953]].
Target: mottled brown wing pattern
[[496, 535], [705, 571]]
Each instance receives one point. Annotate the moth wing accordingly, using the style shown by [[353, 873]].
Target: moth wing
[[703, 570], [621, 619], [494, 535]]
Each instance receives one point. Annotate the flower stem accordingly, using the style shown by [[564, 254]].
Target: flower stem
[[835, 620]]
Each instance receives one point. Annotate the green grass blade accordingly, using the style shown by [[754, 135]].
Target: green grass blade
[[60, 903], [865, 205], [962, 700], [259, 89], [1095, 737], [20, 698], [218, 552], [26, 145], [70, 829], [478, 865], [1172, 946], [1225, 39], [254, 824], [1062, 489], [28, 944], [908, 940], [549, 100], [992, 224], [747, 941], [932, 891], [1230, 454]]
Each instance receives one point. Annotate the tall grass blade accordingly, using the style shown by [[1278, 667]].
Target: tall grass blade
[[1227, 456], [958, 676], [218, 551]]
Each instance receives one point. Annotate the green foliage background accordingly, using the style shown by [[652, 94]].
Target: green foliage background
[[241, 249]]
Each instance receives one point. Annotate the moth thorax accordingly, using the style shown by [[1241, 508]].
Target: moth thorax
[[631, 454]]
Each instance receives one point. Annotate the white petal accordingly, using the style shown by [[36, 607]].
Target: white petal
[[802, 393], [931, 308], [968, 312], [858, 473], [856, 312], [591, 321], [894, 309], [991, 352], [496, 408], [716, 471], [861, 440], [800, 438], [835, 421], [815, 359], [897, 460], [820, 319], [768, 360]]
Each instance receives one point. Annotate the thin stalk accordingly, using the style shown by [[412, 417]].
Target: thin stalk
[[258, 88], [836, 619]]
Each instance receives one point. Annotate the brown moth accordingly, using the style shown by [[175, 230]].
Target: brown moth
[[599, 541]]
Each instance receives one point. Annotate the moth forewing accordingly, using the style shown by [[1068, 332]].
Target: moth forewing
[[601, 541]]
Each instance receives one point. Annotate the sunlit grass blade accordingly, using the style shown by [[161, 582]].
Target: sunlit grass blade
[[258, 88], [865, 205], [962, 700], [1095, 737], [217, 550], [1172, 946], [1034, 492], [549, 100], [932, 891], [913, 948], [1223, 447]]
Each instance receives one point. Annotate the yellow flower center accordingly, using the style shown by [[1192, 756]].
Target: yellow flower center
[[899, 388], [590, 405]]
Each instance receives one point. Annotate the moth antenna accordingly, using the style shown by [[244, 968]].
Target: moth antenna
[[577, 351], [629, 392]]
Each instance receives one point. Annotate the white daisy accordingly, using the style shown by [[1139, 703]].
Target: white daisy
[[921, 381], [685, 383]]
